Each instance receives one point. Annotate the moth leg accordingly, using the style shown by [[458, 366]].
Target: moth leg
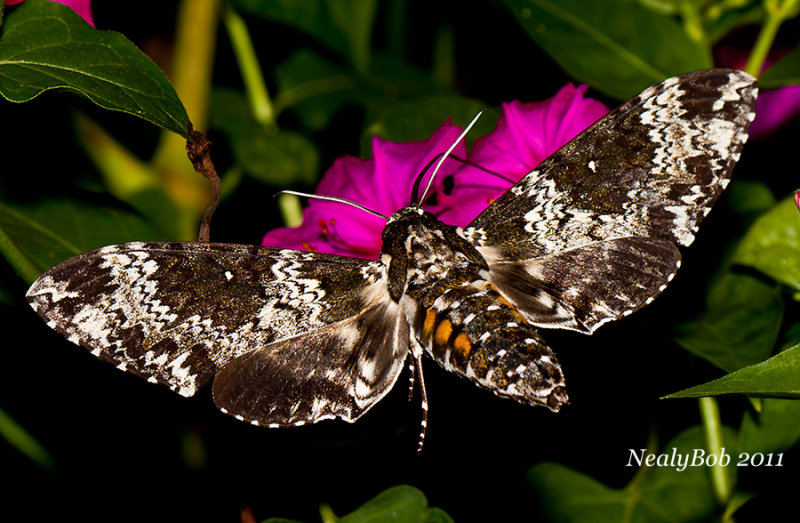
[[416, 353], [411, 376]]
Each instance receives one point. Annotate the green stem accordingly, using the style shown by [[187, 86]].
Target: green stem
[[291, 210], [20, 439], [443, 58], [693, 23], [777, 12], [257, 94], [326, 514], [192, 64], [712, 426]]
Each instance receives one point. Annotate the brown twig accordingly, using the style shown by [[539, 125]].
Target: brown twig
[[198, 148]]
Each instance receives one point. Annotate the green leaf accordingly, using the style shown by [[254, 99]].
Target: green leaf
[[45, 45], [19, 438], [54, 230], [774, 429], [749, 197], [657, 494], [603, 44], [785, 71], [315, 88], [266, 153], [417, 119], [777, 377], [343, 25], [772, 244], [740, 326], [400, 504]]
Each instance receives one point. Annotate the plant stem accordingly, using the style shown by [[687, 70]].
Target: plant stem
[[192, 64], [19, 438], [777, 12], [257, 94], [712, 426], [291, 210]]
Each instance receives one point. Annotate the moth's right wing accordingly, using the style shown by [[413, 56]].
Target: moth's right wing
[[176, 313]]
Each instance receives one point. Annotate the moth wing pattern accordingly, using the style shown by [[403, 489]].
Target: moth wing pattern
[[338, 371], [650, 169], [584, 287], [177, 312]]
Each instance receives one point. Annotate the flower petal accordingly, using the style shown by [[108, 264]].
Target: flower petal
[[526, 134], [382, 183], [82, 7], [774, 108]]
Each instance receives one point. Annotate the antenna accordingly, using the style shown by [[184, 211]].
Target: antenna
[[415, 188], [446, 154], [333, 199]]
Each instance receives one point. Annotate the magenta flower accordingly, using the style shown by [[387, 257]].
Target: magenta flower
[[775, 108], [526, 134], [382, 183], [82, 7]]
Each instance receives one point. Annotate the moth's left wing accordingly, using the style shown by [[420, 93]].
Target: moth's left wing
[[339, 371], [175, 313], [638, 180]]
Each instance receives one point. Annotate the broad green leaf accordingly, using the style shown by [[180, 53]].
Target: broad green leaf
[[777, 377], [315, 88], [269, 154], [417, 119], [740, 326], [786, 71], [399, 504], [723, 17], [278, 158], [343, 25], [54, 230], [775, 428], [658, 494], [44, 45], [749, 197], [436, 515], [772, 244], [603, 44], [21, 439]]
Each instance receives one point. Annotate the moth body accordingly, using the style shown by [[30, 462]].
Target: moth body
[[460, 319]]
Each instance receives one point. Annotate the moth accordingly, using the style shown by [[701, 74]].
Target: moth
[[293, 337]]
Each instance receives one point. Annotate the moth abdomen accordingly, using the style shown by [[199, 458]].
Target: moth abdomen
[[473, 331]]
